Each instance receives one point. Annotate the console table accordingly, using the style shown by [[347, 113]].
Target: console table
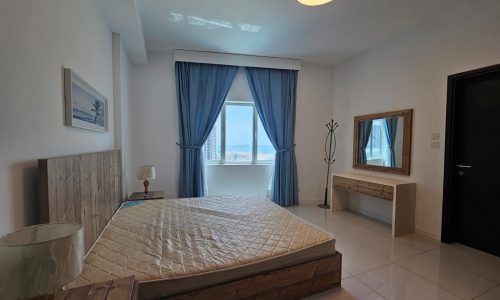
[[401, 193]]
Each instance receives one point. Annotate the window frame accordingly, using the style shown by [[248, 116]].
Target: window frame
[[255, 136]]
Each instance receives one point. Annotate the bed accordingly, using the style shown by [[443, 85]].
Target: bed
[[230, 247]]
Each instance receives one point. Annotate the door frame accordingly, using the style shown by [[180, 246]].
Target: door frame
[[447, 234]]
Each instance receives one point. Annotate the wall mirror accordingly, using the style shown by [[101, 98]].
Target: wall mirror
[[382, 142]]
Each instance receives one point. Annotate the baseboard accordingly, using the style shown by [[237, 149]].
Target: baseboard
[[428, 234], [310, 201]]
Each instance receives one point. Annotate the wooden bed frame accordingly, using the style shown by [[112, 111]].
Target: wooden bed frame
[[87, 189]]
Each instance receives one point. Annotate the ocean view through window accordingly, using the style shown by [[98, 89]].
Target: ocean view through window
[[238, 137]]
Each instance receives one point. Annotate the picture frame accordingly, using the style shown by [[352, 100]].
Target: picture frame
[[85, 107]]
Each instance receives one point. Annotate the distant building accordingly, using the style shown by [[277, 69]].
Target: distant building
[[210, 148]]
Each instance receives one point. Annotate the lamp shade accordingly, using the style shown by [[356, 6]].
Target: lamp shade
[[39, 259], [146, 173]]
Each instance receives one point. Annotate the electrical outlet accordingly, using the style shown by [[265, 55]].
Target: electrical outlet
[[434, 145], [435, 136]]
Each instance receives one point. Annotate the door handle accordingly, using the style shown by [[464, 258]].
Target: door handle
[[462, 166]]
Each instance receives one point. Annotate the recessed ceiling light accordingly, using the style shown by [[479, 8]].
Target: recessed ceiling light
[[313, 2]]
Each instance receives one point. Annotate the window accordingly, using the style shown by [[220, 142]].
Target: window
[[377, 147], [238, 137], [239, 133], [374, 147]]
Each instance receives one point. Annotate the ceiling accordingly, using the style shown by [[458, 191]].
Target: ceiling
[[282, 28], [123, 17]]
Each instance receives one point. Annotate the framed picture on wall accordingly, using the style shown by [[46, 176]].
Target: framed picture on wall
[[85, 107]]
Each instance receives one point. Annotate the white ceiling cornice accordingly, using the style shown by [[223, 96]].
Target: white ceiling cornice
[[123, 17]]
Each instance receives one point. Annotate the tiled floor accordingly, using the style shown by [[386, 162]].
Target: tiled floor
[[377, 266]]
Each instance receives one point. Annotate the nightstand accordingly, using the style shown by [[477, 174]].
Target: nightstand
[[149, 196]]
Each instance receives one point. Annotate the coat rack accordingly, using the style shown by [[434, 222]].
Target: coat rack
[[329, 155]]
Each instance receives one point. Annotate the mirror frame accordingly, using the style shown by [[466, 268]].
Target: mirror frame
[[406, 161]]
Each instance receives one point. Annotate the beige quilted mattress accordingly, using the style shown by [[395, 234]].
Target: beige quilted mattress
[[177, 245]]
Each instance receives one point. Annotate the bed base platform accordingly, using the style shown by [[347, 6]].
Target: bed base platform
[[294, 282], [87, 189]]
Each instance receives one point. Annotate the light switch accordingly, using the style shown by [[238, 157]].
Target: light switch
[[435, 140]]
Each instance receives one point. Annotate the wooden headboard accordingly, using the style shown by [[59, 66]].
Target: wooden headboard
[[84, 188]]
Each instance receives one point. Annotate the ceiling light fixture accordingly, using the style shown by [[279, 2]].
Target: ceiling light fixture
[[313, 2]]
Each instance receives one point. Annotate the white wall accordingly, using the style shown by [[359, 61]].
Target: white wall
[[237, 179], [410, 71], [121, 86], [38, 39], [314, 110], [125, 70], [240, 90], [154, 124]]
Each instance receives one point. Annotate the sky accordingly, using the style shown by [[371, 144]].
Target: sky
[[239, 120]]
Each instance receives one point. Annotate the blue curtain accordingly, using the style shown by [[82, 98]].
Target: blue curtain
[[274, 92], [201, 91], [391, 128], [365, 130]]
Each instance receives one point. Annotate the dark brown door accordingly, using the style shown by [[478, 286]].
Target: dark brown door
[[472, 186]]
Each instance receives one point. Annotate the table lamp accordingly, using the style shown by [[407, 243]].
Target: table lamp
[[146, 173], [39, 259]]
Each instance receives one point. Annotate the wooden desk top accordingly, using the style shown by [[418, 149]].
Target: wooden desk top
[[379, 180]]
